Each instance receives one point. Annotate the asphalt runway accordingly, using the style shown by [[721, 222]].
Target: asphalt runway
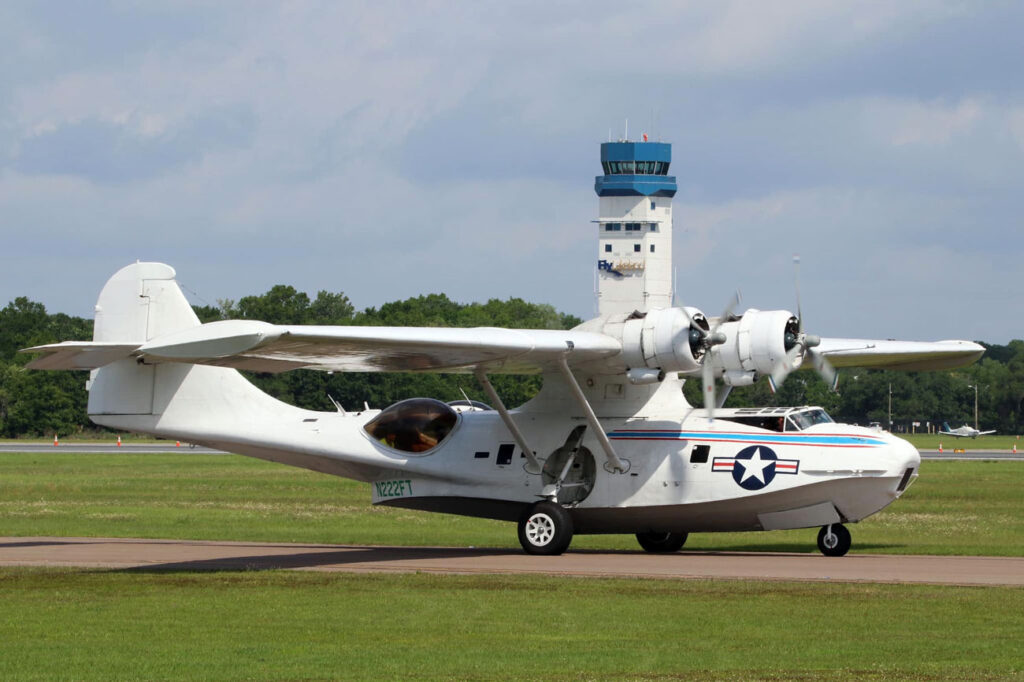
[[948, 453], [187, 555]]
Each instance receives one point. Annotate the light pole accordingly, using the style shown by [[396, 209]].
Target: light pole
[[890, 408], [975, 387]]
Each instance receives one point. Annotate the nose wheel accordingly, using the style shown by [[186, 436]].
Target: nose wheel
[[545, 528], [834, 540]]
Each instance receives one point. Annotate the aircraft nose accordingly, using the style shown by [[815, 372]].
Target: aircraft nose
[[905, 463]]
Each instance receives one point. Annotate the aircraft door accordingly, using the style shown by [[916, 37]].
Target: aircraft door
[[571, 469]]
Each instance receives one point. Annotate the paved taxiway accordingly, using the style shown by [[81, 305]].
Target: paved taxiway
[[186, 555]]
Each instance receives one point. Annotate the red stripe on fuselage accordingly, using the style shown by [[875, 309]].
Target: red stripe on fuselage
[[751, 442]]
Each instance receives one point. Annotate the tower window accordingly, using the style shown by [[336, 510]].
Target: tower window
[[636, 248], [607, 248], [613, 227], [652, 248], [654, 227], [652, 204]]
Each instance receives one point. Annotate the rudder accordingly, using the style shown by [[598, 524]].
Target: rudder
[[140, 302]]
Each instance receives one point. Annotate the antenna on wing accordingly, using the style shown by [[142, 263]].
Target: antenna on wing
[[336, 404]]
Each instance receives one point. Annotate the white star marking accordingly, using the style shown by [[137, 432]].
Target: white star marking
[[754, 467]]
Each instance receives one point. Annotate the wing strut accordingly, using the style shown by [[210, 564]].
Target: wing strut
[[532, 464], [613, 460]]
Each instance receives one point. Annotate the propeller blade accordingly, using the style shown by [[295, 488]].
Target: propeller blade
[[825, 369], [708, 384], [796, 282], [782, 369], [733, 302], [715, 338]]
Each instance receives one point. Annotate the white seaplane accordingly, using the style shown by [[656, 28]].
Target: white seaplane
[[609, 445]]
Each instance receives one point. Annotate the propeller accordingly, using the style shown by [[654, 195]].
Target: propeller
[[714, 338], [799, 344]]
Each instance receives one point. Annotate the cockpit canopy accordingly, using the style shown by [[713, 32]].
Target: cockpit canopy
[[778, 418], [415, 425]]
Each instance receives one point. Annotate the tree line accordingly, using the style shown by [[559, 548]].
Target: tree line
[[45, 403]]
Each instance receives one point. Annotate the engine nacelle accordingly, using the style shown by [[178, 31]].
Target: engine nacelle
[[755, 344], [660, 340]]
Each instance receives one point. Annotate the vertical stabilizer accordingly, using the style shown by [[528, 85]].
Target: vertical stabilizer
[[140, 302], [204, 404]]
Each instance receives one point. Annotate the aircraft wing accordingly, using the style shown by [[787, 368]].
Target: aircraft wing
[[954, 434], [899, 355], [262, 347], [986, 433]]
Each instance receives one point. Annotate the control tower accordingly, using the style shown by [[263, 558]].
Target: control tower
[[634, 266]]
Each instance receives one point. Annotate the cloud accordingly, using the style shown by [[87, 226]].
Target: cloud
[[132, 149], [388, 149]]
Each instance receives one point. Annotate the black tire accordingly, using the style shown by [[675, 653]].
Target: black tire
[[545, 528], [838, 544], [661, 543]]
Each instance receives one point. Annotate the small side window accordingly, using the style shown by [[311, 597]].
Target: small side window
[[652, 204], [505, 451], [607, 248], [652, 248], [636, 248], [699, 454]]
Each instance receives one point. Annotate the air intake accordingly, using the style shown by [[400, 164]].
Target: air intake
[[908, 475]]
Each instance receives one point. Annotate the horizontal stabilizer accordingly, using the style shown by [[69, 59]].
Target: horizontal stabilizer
[[79, 354]]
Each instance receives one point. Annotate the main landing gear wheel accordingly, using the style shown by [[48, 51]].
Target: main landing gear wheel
[[834, 540], [545, 528], [661, 543]]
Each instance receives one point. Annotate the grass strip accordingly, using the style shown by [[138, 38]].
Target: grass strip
[[304, 625]]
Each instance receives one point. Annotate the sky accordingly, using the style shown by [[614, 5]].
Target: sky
[[388, 150]]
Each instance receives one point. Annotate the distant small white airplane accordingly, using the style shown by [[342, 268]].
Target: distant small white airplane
[[964, 431]]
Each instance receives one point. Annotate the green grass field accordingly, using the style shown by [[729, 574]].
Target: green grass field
[[290, 626], [954, 507], [273, 625]]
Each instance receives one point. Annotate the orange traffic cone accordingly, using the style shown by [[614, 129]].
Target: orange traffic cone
[[1015, 448], [55, 441], [177, 443], [119, 441], [940, 448]]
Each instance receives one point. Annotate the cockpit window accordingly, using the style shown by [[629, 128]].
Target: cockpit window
[[415, 425], [771, 423], [808, 418]]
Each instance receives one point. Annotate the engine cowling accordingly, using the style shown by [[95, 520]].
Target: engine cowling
[[661, 340], [754, 345]]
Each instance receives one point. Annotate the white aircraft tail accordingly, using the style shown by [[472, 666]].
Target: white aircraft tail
[[142, 302]]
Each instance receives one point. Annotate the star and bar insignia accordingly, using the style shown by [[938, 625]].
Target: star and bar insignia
[[755, 467]]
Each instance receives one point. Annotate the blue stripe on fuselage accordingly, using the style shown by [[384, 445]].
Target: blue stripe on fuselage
[[778, 438]]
